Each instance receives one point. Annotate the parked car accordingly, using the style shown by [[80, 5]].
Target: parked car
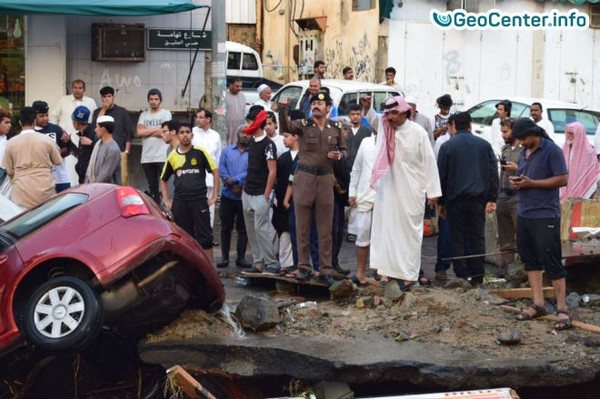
[[558, 112], [343, 93], [95, 255]]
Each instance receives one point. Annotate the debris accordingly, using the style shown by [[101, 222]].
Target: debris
[[364, 302], [341, 290], [510, 338], [257, 313], [515, 272], [573, 300], [392, 290], [520, 293], [578, 324], [458, 283], [591, 300], [183, 380]]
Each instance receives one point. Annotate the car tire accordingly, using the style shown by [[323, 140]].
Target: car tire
[[64, 313]]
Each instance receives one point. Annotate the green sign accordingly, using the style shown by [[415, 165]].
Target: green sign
[[178, 39]]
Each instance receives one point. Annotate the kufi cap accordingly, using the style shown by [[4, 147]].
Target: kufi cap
[[105, 119], [262, 88]]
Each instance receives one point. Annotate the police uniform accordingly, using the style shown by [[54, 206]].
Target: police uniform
[[313, 183], [506, 205]]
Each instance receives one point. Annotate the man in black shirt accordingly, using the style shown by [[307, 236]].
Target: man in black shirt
[[190, 206], [469, 179], [257, 195]]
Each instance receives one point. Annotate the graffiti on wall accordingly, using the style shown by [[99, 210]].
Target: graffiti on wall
[[452, 65], [120, 82], [360, 58]]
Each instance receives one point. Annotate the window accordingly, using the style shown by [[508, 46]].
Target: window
[[362, 5], [249, 62], [594, 16], [42, 215], [519, 110], [347, 100], [483, 113], [293, 92], [380, 97], [234, 60], [562, 117]]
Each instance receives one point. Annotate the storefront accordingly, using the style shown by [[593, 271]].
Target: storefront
[[12, 62]]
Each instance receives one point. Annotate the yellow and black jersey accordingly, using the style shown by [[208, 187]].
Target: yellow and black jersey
[[190, 170]]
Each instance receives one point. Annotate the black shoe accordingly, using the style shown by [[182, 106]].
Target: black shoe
[[303, 276], [341, 270], [243, 264], [223, 263], [327, 279]]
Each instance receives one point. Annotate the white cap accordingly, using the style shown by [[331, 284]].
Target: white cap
[[410, 100], [105, 118], [261, 88]]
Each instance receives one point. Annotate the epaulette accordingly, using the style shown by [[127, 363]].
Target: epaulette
[[337, 124], [307, 122]]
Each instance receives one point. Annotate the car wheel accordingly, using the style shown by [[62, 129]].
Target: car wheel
[[64, 313]]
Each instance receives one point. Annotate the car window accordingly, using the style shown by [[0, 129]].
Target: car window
[[44, 214], [380, 97], [560, 117], [293, 92], [233, 60], [249, 62], [347, 100], [483, 113], [519, 110]]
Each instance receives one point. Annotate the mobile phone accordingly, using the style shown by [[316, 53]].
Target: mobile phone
[[516, 178], [503, 162]]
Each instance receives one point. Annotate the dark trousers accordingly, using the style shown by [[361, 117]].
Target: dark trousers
[[230, 212], [337, 235], [538, 241], [444, 248], [152, 170], [314, 240], [194, 217], [466, 218]]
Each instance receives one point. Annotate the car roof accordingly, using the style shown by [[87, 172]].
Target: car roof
[[345, 85], [235, 46], [545, 103]]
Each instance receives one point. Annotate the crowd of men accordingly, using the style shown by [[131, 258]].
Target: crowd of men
[[291, 177]]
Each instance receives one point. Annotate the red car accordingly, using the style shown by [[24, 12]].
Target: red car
[[97, 254]]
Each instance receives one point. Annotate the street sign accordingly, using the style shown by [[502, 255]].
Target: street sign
[[178, 39]]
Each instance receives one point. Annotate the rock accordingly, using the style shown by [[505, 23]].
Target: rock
[[593, 341], [573, 300], [409, 301], [392, 290], [387, 302], [257, 313], [364, 302], [590, 300], [341, 290], [515, 272], [376, 300], [510, 338], [458, 283]]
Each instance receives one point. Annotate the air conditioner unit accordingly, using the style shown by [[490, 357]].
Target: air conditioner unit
[[118, 42], [595, 15], [474, 6]]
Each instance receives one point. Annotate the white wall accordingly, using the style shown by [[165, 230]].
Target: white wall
[[475, 65]]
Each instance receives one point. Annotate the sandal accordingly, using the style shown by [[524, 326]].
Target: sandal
[[356, 281], [539, 311], [563, 324], [405, 287], [425, 282]]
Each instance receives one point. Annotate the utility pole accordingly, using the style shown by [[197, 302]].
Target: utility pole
[[218, 68]]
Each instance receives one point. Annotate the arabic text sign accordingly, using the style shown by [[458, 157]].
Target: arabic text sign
[[178, 39]]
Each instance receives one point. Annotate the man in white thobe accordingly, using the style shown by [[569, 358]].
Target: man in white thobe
[[405, 174]]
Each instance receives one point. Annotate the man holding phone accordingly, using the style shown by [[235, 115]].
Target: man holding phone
[[542, 171], [506, 205]]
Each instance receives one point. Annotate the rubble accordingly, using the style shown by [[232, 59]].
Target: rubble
[[257, 313]]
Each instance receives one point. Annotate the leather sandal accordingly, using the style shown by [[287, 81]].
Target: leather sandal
[[539, 311], [563, 324]]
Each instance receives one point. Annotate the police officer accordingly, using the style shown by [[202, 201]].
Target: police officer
[[321, 142]]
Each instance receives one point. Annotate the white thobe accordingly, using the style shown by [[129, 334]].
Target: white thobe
[[210, 140], [397, 232]]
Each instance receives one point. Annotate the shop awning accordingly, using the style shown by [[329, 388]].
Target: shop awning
[[574, 2], [97, 7]]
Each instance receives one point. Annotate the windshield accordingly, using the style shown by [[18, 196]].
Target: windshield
[[44, 214]]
